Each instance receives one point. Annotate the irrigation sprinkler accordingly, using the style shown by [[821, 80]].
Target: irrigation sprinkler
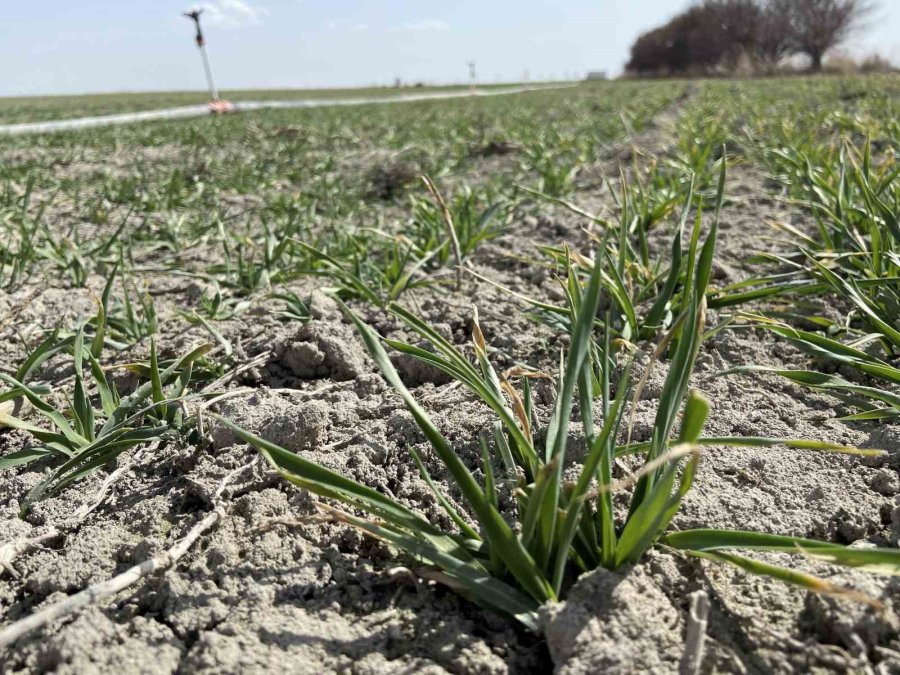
[[216, 104]]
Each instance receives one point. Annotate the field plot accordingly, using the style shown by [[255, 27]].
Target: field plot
[[506, 384]]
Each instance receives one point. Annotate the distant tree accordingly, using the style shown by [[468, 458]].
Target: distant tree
[[652, 52], [697, 40], [774, 38], [713, 34], [818, 25], [702, 39], [736, 21]]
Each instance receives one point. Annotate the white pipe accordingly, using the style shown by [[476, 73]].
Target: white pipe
[[200, 110]]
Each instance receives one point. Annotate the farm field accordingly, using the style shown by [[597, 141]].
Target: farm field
[[506, 384]]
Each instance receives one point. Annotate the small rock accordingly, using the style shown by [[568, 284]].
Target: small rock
[[885, 482]]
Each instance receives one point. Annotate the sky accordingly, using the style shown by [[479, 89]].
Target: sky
[[65, 47]]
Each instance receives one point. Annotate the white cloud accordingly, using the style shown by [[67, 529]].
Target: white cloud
[[359, 26], [427, 24], [234, 13]]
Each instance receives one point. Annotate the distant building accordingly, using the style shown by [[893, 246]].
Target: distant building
[[596, 75]]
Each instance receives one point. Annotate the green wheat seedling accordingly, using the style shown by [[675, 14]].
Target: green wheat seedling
[[379, 266], [861, 230], [875, 399], [74, 256], [473, 224], [115, 325], [67, 255], [130, 318], [253, 264], [378, 276], [18, 248], [701, 134], [650, 198], [81, 438], [645, 295], [148, 190], [561, 528], [295, 307], [216, 306], [59, 340], [856, 206], [555, 169], [855, 257]]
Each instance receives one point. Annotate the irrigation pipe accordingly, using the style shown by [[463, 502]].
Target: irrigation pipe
[[245, 106]]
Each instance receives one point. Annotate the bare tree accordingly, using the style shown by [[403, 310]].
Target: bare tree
[[732, 25], [736, 20], [773, 37], [697, 41], [712, 35], [818, 25]]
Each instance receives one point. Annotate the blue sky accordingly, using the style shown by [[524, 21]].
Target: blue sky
[[60, 46]]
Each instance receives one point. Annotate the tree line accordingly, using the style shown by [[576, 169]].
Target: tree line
[[716, 34]]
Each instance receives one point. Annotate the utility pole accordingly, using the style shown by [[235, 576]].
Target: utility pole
[[216, 104], [472, 77]]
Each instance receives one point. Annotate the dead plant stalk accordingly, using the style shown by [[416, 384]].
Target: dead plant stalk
[[451, 231], [129, 577]]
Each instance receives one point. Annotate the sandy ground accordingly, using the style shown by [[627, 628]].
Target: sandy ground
[[265, 591]]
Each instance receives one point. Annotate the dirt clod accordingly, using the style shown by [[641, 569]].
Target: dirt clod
[[295, 426], [323, 349], [614, 623]]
